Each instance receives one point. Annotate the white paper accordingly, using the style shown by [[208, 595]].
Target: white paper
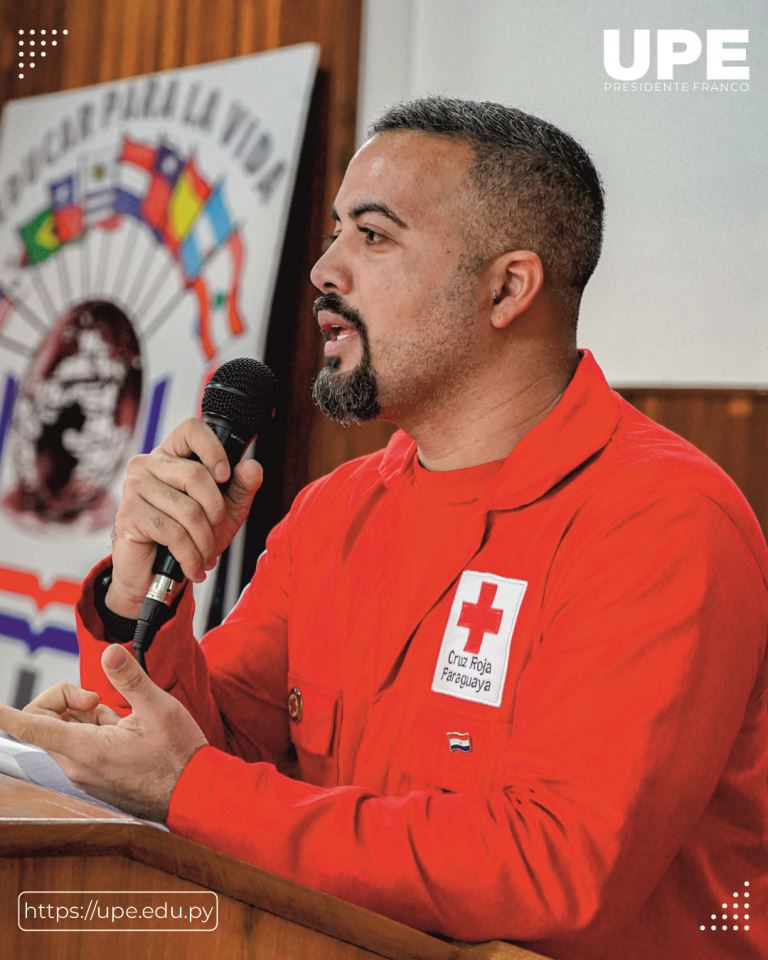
[[25, 762]]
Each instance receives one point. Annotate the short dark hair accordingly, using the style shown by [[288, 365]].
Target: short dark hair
[[533, 186]]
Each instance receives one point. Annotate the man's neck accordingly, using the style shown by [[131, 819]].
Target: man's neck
[[489, 424]]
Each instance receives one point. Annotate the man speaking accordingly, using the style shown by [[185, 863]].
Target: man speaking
[[505, 678]]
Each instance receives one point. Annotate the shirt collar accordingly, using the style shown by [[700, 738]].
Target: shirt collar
[[577, 428]]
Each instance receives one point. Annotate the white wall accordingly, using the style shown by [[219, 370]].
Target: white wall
[[679, 296]]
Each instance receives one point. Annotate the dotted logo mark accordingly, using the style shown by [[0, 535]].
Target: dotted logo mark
[[739, 918], [34, 43]]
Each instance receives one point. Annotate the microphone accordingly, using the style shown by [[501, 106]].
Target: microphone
[[237, 401]]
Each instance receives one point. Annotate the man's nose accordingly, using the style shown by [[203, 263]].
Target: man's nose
[[331, 272]]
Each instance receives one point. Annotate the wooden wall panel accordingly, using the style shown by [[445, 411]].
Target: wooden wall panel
[[731, 426]]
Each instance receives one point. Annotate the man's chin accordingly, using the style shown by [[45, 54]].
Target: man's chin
[[346, 397]]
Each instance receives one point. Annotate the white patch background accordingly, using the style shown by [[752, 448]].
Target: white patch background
[[478, 677]]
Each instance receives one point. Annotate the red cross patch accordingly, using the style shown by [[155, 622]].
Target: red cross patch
[[473, 657]]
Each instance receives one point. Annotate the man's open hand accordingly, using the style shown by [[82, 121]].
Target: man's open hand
[[132, 762]]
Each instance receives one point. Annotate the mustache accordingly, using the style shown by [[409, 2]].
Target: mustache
[[333, 303]]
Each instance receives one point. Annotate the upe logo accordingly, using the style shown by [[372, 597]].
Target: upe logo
[[677, 48]]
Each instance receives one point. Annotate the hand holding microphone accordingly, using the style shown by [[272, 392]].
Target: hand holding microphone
[[190, 495]]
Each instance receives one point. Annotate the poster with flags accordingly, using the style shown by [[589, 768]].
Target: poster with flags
[[141, 225]]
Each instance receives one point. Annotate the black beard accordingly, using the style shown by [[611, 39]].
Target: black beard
[[346, 398]]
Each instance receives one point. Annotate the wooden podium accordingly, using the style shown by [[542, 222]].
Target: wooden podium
[[51, 843]]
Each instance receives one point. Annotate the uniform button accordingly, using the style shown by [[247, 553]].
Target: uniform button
[[295, 704]]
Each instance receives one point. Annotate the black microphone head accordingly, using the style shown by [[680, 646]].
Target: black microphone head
[[242, 391]]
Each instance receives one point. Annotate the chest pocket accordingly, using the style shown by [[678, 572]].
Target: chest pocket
[[429, 762], [314, 711]]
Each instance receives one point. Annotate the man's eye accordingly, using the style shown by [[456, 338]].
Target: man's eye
[[372, 238]]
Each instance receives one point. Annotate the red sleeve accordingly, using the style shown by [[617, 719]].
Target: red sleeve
[[654, 628], [232, 681]]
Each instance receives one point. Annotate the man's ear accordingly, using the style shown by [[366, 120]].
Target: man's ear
[[516, 278]]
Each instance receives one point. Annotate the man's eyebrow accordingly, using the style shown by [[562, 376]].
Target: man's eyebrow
[[371, 207]]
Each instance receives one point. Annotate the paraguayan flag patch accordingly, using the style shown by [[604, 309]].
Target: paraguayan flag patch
[[473, 658], [459, 741]]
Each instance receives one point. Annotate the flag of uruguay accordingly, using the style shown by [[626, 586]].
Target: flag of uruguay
[[97, 177], [459, 741]]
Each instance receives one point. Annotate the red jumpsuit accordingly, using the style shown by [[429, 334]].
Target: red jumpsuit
[[523, 701]]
